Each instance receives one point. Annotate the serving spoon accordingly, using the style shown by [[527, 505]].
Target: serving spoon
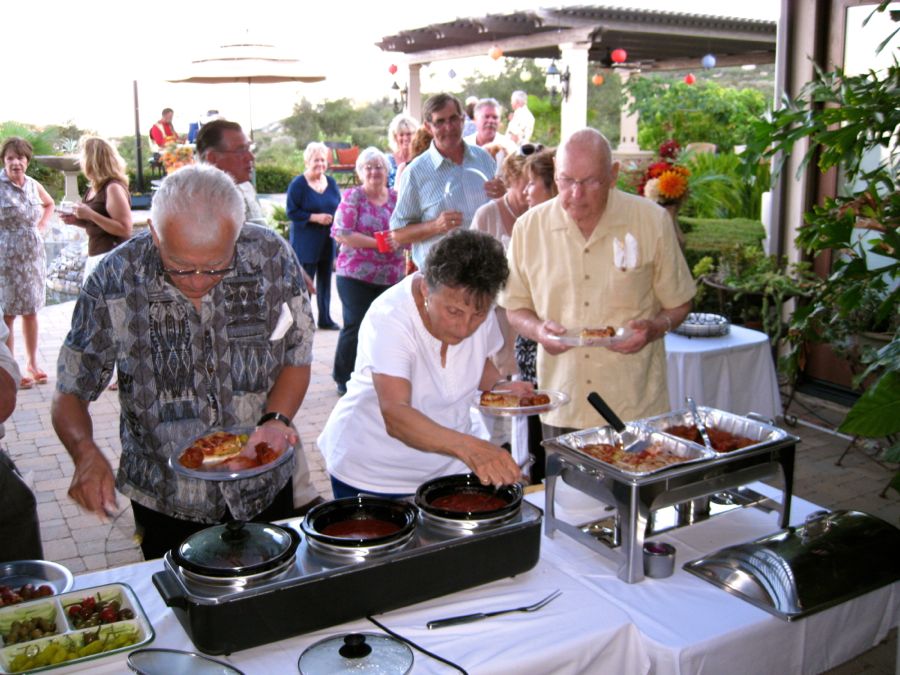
[[698, 422]]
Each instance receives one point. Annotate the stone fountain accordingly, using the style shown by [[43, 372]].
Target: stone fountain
[[70, 167]]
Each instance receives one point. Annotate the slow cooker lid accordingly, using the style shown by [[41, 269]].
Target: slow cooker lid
[[357, 653], [235, 548]]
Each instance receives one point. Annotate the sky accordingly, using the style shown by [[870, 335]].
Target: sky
[[76, 62]]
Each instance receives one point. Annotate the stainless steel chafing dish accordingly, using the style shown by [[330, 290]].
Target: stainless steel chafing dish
[[833, 557], [645, 502]]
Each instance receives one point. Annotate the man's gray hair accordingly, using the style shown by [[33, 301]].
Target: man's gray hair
[[519, 96], [369, 154], [203, 194], [487, 103]]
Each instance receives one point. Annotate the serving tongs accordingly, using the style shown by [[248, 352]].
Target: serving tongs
[[699, 423], [629, 441]]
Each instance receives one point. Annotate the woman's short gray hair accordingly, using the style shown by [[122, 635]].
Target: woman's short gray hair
[[472, 261], [368, 155], [205, 195], [401, 122], [316, 148]]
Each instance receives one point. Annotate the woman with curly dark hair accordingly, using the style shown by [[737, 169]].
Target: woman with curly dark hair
[[424, 352]]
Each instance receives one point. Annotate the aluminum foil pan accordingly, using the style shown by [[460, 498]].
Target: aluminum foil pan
[[686, 452], [744, 427]]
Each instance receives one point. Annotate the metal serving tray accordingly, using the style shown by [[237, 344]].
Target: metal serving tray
[[797, 571], [576, 442], [737, 425]]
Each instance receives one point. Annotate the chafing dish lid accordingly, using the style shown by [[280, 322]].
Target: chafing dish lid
[[236, 548], [357, 653], [833, 557]]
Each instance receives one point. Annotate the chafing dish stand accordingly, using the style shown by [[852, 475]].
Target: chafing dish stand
[[636, 497]]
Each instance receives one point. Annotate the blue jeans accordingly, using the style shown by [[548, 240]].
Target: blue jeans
[[342, 489], [356, 297]]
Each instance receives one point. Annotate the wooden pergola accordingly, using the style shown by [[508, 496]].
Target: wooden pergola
[[583, 35]]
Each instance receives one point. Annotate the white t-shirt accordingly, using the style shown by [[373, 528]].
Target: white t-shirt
[[394, 341]]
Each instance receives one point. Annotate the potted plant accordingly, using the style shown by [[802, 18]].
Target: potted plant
[[851, 123]]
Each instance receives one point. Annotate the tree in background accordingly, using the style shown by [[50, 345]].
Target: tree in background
[[701, 112]]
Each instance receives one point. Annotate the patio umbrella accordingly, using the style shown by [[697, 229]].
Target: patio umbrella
[[247, 62]]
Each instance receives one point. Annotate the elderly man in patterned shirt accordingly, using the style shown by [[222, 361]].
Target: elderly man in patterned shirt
[[208, 321]]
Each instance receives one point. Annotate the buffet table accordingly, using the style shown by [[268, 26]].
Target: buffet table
[[734, 372], [599, 624]]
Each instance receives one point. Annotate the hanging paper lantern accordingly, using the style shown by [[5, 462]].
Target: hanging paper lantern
[[689, 78], [451, 73], [708, 61], [392, 69], [597, 79], [495, 53], [618, 55], [525, 76]]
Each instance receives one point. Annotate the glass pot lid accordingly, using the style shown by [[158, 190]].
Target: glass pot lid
[[236, 548], [357, 653]]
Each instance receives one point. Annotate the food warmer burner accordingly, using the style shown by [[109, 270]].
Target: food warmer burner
[[324, 585], [644, 504]]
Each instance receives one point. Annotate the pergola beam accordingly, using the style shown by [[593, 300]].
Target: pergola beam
[[547, 40]]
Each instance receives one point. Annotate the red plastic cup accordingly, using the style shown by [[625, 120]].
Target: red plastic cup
[[382, 239]]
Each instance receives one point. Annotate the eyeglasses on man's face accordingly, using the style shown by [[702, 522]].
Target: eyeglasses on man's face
[[442, 122], [530, 148], [241, 150], [564, 183], [221, 271]]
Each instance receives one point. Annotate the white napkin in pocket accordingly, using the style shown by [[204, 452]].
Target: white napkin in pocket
[[285, 319], [625, 256]]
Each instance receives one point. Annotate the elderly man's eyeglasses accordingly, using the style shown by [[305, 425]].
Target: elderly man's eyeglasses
[[564, 183], [243, 149], [530, 148], [222, 271]]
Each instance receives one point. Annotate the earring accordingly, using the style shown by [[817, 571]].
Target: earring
[[425, 302]]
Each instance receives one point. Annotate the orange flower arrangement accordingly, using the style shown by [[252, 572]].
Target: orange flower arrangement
[[664, 181], [176, 156]]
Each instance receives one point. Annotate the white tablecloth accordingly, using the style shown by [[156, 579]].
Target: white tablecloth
[[734, 372], [599, 625]]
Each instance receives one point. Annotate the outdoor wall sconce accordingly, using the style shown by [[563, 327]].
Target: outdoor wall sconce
[[400, 97], [557, 82]]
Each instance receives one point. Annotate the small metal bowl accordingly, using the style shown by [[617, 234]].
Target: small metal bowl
[[17, 573]]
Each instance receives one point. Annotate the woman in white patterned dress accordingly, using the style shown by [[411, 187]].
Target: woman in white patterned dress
[[25, 210]]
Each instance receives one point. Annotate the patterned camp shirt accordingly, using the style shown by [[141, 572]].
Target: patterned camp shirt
[[182, 372]]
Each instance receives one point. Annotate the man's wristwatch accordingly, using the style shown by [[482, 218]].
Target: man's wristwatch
[[274, 416]]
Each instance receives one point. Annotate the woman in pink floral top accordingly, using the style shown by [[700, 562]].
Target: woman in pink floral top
[[364, 270]]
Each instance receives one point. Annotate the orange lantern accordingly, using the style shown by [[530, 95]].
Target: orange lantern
[[689, 78], [495, 53], [597, 79], [618, 55]]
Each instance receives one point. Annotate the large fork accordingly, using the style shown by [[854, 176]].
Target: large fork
[[478, 616]]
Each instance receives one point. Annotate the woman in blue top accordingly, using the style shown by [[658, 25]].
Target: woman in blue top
[[312, 199]]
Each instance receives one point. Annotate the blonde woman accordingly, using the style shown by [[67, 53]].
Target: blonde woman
[[105, 211], [400, 134]]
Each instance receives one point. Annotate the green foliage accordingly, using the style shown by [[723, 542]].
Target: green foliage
[[719, 188], [702, 112], [713, 237], [339, 120], [271, 179], [605, 104], [877, 412], [279, 220], [281, 152]]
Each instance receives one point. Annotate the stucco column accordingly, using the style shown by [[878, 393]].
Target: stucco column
[[628, 123], [414, 94], [574, 108]]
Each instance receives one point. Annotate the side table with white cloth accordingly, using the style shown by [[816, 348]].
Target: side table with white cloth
[[733, 372]]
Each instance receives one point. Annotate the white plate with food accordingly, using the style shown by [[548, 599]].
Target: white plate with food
[[602, 336], [507, 404], [217, 455]]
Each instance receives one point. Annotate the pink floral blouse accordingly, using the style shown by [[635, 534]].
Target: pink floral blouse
[[357, 214]]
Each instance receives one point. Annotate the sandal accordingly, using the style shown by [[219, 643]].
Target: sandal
[[38, 375], [26, 383]]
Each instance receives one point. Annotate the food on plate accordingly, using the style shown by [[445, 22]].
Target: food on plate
[[70, 647], [361, 528], [222, 450], [468, 502], [94, 611], [607, 332], [10, 596], [651, 458], [722, 441], [29, 629], [495, 399]]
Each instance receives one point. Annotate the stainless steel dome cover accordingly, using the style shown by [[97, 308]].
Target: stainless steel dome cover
[[834, 557]]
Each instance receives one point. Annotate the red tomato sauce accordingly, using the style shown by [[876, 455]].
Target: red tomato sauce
[[361, 528], [468, 502]]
